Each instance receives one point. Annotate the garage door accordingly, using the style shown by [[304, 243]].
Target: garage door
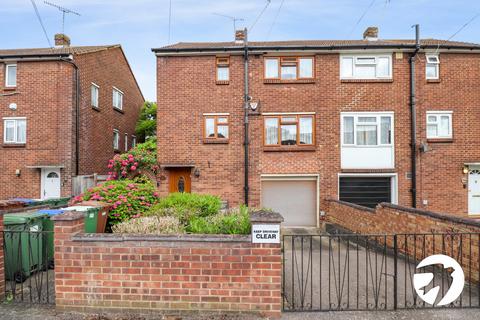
[[366, 191], [295, 200]]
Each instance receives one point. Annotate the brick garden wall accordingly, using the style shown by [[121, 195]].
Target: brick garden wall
[[164, 274]]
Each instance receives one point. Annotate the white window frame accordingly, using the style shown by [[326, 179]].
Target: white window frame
[[116, 139], [355, 58], [432, 60], [15, 120], [438, 114], [7, 66], [95, 102], [126, 142], [117, 93], [378, 116], [134, 141]]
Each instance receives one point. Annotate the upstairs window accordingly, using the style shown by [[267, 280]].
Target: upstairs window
[[289, 68], [94, 90], [366, 130], [15, 130], [432, 67], [117, 99], [11, 75], [285, 130], [216, 127], [365, 67], [116, 139], [223, 69], [439, 125]]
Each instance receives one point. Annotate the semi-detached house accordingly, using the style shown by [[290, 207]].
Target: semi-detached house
[[64, 112], [326, 119]]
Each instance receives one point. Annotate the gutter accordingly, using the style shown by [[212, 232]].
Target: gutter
[[413, 113]]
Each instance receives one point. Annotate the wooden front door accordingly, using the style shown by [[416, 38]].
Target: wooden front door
[[179, 180]]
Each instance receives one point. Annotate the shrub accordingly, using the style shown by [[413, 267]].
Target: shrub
[[140, 158], [150, 225], [188, 204], [236, 221], [128, 199]]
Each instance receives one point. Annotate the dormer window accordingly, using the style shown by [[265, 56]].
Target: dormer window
[[432, 67]]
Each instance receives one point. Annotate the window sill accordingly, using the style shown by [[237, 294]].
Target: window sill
[[289, 148], [96, 108], [433, 80], [14, 145], [212, 141], [280, 81], [222, 82], [366, 80], [119, 110], [116, 151], [9, 88], [440, 140]]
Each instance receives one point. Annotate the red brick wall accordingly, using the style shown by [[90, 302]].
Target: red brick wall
[[129, 274], [44, 95], [187, 88], [107, 69]]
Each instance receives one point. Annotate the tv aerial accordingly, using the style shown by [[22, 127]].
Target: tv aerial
[[233, 19], [64, 11]]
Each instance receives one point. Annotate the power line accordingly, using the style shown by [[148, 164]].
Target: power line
[[41, 22], [459, 30], [275, 19], [260, 15], [361, 17]]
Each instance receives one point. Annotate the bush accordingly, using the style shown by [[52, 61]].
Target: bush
[[185, 205], [150, 225], [236, 221], [142, 157], [128, 199]]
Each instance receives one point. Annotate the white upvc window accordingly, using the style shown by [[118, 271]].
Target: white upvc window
[[367, 129], [117, 99], [439, 125], [134, 141], [365, 66], [126, 141], [94, 93], [116, 139], [432, 67], [11, 75], [15, 130]]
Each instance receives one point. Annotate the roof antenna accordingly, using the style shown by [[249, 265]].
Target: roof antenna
[[234, 20], [64, 11]]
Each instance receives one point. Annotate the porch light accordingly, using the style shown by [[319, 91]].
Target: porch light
[[465, 169], [196, 172]]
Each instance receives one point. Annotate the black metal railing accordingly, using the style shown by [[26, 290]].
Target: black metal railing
[[28, 263], [373, 272]]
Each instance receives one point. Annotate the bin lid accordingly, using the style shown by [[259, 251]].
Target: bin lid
[[51, 212], [24, 200], [22, 217], [78, 208]]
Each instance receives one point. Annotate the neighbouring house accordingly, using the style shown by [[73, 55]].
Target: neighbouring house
[[65, 111], [326, 119]]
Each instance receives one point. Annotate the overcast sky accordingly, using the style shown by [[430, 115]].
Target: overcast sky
[[139, 25]]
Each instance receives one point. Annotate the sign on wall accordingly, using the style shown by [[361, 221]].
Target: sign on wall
[[265, 233]]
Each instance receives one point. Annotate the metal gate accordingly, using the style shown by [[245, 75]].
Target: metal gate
[[373, 272], [28, 264]]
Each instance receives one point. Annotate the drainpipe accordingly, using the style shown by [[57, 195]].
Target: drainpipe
[[246, 99], [413, 124]]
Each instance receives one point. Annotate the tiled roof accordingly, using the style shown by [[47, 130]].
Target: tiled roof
[[430, 43], [55, 51]]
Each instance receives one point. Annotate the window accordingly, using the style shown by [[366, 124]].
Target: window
[[126, 141], [365, 67], [11, 75], [366, 129], [216, 127], [432, 67], [439, 125], [223, 69], [285, 130], [15, 130], [94, 89], [117, 99], [116, 140], [289, 68], [134, 141]]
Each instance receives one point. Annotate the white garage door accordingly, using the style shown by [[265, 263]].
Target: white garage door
[[295, 200]]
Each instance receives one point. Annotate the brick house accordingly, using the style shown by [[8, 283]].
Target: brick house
[[65, 111], [326, 119]]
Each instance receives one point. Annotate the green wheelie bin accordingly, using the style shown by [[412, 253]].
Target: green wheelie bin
[[91, 216], [49, 247], [23, 243]]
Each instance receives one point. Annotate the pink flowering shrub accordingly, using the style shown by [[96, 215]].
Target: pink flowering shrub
[[128, 198], [142, 157]]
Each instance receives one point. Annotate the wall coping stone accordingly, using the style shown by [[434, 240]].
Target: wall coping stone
[[123, 237], [69, 216], [264, 216]]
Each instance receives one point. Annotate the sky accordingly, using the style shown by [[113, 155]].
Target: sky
[[139, 25]]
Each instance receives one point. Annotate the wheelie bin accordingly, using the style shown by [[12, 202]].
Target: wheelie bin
[[103, 210], [49, 247], [91, 216]]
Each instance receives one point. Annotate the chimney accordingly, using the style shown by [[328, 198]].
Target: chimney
[[62, 40], [371, 34], [241, 36]]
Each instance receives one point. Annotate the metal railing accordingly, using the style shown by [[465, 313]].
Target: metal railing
[[28, 261], [373, 272]]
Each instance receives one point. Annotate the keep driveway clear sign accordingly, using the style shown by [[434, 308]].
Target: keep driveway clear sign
[[265, 233]]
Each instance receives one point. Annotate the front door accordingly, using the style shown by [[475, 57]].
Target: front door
[[50, 183], [179, 180], [474, 190]]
